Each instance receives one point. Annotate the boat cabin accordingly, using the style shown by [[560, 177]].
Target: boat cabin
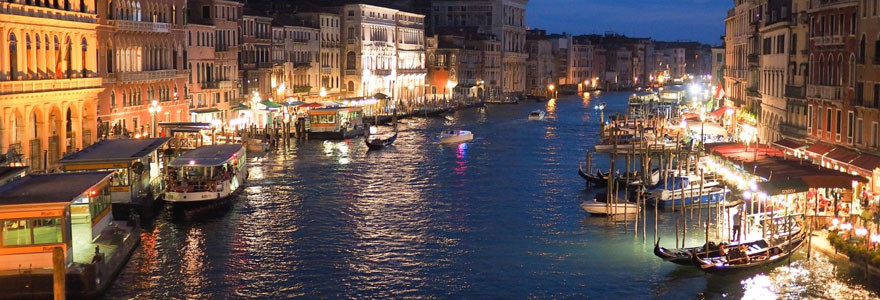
[[136, 167], [206, 173], [188, 135], [335, 122], [41, 212]]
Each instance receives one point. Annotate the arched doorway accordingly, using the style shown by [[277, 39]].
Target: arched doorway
[[56, 126], [35, 147]]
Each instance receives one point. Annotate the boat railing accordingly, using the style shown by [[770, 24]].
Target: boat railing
[[195, 186]]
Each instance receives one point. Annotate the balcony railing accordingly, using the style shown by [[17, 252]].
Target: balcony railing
[[412, 71], [753, 58], [265, 65], [31, 86], [146, 75], [46, 13], [827, 40], [351, 72], [382, 72], [208, 85], [126, 25], [792, 91], [326, 70], [824, 92]]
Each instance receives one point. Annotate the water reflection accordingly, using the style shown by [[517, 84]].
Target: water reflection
[[498, 218]]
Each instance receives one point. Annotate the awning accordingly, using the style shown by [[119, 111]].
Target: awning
[[866, 162], [720, 112], [205, 111], [293, 103], [241, 106], [820, 149], [270, 104], [842, 155], [841, 181], [788, 144], [313, 105], [783, 186]]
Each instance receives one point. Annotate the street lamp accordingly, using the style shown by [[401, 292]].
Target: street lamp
[[323, 93], [154, 109], [551, 87], [281, 89]]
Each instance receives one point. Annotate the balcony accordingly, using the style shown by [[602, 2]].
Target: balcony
[[412, 71], [382, 72], [792, 91], [265, 65], [209, 85], [793, 131], [752, 58], [226, 55], [135, 26], [302, 65], [46, 13], [48, 85], [824, 92], [827, 40], [351, 72], [326, 70], [147, 75]]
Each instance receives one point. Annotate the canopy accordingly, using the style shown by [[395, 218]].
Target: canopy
[[241, 106], [208, 156], [720, 112], [820, 149], [270, 104], [708, 128], [783, 186], [313, 105], [205, 111], [788, 144], [292, 103]]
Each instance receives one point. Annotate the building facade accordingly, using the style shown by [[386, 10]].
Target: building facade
[[49, 81], [213, 41]]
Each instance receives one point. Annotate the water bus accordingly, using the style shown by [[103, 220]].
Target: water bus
[[207, 173]]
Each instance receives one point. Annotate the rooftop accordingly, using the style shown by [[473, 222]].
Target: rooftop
[[50, 188], [116, 150], [212, 155]]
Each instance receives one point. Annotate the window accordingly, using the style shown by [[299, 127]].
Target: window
[[849, 128], [859, 127], [206, 12], [27, 232], [793, 46], [874, 134], [780, 44], [13, 57], [809, 118], [828, 120], [860, 93]]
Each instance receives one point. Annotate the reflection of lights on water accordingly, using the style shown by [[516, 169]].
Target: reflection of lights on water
[[461, 159], [758, 287], [339, 148], [193, 261]]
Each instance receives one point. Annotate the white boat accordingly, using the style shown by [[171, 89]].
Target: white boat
[[537, 115], [456, 136], [207, 173], [605, 209], [712, 191]]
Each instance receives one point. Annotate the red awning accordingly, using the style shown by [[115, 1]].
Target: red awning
[[820, 149], [841, 181], [788, 144], [720, 112], [842, 155], [689, 116], [867, 162]]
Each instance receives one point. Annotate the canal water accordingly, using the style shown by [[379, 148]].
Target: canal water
[[495, 218]]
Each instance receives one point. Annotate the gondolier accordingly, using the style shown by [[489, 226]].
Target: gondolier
[[737, 223]]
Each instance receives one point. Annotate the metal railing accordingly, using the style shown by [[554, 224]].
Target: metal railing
[[138, 26], [792, 91], [30, 86], [824, 92], [147, 75]]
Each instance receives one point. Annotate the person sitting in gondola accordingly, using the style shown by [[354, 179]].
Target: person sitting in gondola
[[722, 250]]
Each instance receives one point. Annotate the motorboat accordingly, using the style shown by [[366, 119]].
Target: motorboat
[[456, 136], [537, 115], [687, 191], [598, 206], [208, 173], [379, 143]]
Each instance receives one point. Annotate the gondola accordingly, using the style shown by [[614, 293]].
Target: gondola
[[377, 143], [761, 256], [683, 256], [598, 179]]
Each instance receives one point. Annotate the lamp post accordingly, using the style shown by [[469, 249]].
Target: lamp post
[[551, 88], [281, 89], [451, 86], [323, 94], [154, 109]]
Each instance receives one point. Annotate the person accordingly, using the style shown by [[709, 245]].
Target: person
[[745, 256], [721, 249], [737, 222]]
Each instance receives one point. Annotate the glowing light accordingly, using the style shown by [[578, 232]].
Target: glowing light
[[747, 195], [192, 162], [835, 222], [875, 238], [862, 231]]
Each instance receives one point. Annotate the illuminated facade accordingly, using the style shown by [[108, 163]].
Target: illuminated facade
[[330, 54], [296, 62], [49, 80], [213, 50], [142, 60], [505, 19], [384, 53], [255, 66]]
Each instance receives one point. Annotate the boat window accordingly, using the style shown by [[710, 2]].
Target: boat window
[[99, 203], [324, 119], [25, 232], [120, 178]]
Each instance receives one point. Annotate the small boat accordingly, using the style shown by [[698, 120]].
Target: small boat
[[598, 206], [449, 118], [686, 190], [759, 254], [537, 115], [684, 256], [205, 174], [455, 136], [598, 179], [379, 143]]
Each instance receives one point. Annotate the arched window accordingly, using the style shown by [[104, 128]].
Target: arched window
[[68, 57], [876, 58], [13, 57], [350, 61], [56, 58], [862, 51], [85, 50], [39, 72], [351, 86], [852, 71], [112, 99]]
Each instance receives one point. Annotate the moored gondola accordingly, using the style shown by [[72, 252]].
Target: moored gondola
[[683, 256], [378, 143], [752, 257], [598, 179]]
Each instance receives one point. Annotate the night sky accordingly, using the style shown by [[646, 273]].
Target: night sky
[[665, 20]]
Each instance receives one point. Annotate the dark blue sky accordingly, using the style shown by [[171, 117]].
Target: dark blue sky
[[665, 20]]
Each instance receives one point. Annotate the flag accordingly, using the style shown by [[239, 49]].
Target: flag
[[60, 59]]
